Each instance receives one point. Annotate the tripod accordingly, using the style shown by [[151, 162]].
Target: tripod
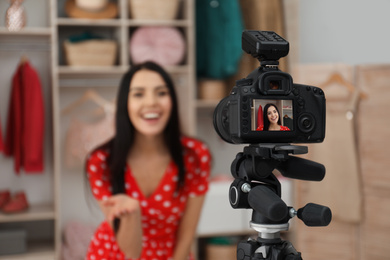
[[256, 187]]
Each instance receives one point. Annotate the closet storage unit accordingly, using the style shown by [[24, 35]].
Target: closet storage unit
[[48, 26], [32, 43]]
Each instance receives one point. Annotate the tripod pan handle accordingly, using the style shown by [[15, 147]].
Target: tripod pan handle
[[314, 215], [263, 200]]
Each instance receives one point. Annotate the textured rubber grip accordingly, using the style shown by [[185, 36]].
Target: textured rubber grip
[[265, 201], [314, 215]]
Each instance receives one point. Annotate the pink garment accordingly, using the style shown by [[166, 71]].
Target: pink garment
[[163, 45], [77, 237], [83, 137]]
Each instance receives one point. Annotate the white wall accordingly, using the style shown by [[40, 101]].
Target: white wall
[[347, 31]]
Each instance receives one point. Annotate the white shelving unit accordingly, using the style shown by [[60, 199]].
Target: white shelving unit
[[33, 41]]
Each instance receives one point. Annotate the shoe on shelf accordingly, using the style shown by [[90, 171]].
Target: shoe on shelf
[[5, 196], [16, 204]]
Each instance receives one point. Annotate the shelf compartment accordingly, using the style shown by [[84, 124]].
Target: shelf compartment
[[33, 213], [61, 9], [41, 250], [108, 33]]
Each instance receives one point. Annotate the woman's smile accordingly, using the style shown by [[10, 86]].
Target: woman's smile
[[151, 117]]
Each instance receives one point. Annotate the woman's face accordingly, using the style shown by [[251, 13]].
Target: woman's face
[[150, 103], [273, 115]]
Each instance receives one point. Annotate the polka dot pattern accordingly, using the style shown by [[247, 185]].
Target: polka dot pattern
[[161, 212]]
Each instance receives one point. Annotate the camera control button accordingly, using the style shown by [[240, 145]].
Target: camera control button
[[253, 90], [306, 123], [301, 102], [245, 90], [295, 91]]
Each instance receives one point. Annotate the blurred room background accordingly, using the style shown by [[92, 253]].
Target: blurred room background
[[79, 50]]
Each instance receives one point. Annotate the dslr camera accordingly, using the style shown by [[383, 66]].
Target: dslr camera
[[241, 118]]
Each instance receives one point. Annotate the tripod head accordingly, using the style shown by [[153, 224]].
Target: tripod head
[[256, 187]]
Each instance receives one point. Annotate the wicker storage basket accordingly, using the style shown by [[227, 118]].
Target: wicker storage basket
[[154, 9], [90, 53]]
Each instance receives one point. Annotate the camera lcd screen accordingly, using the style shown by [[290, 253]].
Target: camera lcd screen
[[272, 115]]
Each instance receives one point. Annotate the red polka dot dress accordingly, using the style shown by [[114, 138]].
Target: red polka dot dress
[[161, 212], [282, 128]]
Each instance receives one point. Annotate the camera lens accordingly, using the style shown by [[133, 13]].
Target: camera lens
[[306, 123]]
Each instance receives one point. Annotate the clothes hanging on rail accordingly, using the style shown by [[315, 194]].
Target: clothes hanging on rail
[[26, 121], [260, 119], [219, 26], [341, 189]]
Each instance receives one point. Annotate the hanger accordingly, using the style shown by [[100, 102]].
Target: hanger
[[337, 78], [89, 95], [23, 60]]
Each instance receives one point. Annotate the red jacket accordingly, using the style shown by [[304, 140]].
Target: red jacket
[[25, 125]]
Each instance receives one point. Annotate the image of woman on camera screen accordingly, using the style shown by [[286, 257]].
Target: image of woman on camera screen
[[272, 121], [149, 180]]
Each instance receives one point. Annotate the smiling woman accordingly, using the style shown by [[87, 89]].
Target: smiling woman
[[272, 120], [150, 103], [149, 180]]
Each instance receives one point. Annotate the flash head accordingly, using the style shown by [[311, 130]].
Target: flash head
[[264, 45]]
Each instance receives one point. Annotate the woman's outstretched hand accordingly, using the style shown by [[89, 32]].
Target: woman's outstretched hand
[[120, 205]]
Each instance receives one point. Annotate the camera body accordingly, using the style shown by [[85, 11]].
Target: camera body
[[240, 118]]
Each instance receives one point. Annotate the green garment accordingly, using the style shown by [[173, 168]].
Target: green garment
[[219, 26]]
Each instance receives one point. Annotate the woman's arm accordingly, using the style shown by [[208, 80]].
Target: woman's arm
[[129, 235], [187, 227]]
